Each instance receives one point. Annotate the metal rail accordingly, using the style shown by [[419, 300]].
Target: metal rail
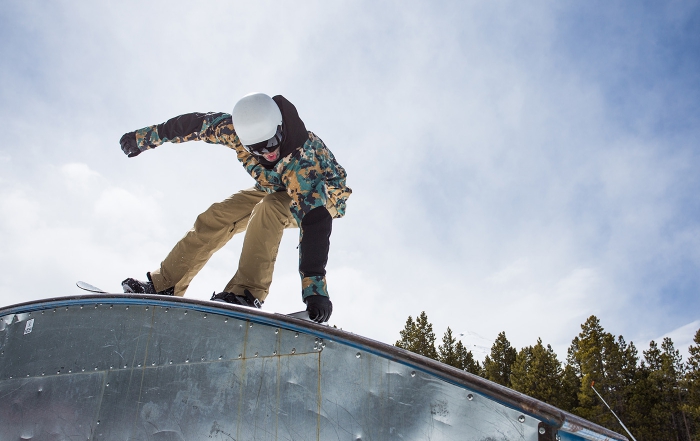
[[128, 363]]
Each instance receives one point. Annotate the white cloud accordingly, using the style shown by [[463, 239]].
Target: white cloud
[[118, 204], [79, 174], [19, 212]]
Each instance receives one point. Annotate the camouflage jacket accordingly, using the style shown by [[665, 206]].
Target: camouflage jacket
[[309, 173]]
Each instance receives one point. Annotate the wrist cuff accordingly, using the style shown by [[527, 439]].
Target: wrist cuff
[[313, 286], [147, 138]]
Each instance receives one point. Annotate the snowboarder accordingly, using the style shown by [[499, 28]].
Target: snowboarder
[[299, 184]]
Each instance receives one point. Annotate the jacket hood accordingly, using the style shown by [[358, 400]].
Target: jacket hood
[[295, 133]]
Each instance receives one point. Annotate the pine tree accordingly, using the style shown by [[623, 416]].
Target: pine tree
[[499, 364], [640, 402], [466, 360], [418, 337], [595, 356], [408, 335], [426, 337], [621, 360], [586, 354], [572, 376], [453, 352], [538, 373], [674, 371], [667, 419], [691, 384], [656, 413], [660, 411], [447, 352], [570, 385], [634, 392]]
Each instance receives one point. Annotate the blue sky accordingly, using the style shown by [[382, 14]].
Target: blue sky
[[516, 167]]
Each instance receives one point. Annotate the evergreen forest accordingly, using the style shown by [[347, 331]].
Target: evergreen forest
[[656, 394]]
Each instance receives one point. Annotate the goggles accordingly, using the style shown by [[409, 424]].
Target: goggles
[[264, 147]]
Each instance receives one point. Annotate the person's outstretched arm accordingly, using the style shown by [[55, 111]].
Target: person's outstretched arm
[[215, 128]]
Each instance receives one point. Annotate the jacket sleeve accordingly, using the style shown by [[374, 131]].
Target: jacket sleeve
[[314, 245], [213, 128]]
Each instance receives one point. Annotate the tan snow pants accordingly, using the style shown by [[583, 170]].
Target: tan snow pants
[[261, 215]]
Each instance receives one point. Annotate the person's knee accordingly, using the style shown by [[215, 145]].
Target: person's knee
[[212, 219], [274, 206]]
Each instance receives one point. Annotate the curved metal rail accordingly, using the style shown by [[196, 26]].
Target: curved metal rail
[[148, 367]]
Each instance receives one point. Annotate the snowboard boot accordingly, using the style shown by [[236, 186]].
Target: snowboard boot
[[138, 287], [245, 300]]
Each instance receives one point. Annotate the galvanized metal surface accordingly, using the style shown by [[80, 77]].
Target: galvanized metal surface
[[125, 367]]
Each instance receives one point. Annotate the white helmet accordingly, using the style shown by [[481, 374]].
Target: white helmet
[[255, 118]]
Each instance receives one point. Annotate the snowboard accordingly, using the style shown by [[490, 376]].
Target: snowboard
[[304, 315], [90, 288]]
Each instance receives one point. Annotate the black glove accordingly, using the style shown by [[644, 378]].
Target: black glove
[[319, 308], [129, 146]]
